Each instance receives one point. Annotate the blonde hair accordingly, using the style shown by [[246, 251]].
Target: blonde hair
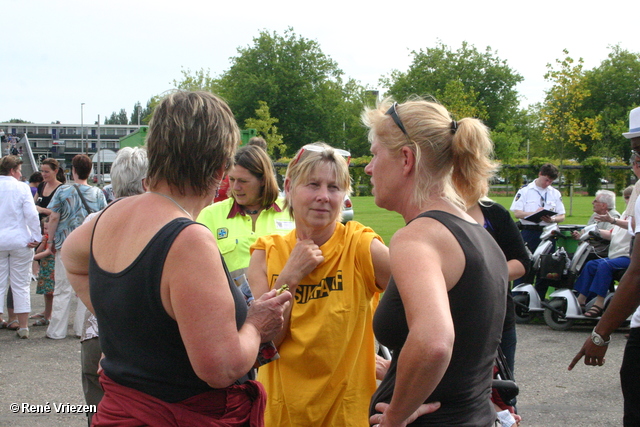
[[305, 163], [192, 135], [452, 155]]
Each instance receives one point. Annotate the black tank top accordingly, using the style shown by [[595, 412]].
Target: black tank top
[[477, 304], [141, 342], [42, 200]]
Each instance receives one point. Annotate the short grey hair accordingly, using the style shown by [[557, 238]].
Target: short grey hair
[[608, 197], [128, 170]]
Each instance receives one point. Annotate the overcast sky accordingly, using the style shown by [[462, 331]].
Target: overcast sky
[[111, 54]]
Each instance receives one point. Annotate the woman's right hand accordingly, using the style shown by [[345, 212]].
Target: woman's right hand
[[266, 314], [304, 258]]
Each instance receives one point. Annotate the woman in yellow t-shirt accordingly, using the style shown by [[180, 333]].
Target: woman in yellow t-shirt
[[325, 375]]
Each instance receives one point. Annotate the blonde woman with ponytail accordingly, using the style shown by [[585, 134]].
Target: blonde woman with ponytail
[[443, 309]]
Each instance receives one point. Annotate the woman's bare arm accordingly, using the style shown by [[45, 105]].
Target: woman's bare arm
[[195, 292], [417, 264]]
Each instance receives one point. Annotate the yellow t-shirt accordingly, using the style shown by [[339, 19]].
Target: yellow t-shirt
[[326, 372]]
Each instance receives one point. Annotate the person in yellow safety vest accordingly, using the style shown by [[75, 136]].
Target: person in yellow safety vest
[[252, 210]]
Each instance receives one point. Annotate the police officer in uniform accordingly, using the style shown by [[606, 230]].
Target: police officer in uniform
[[538, 195]]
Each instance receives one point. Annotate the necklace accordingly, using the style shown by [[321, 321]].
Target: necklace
[[251, 212], [176, 203]]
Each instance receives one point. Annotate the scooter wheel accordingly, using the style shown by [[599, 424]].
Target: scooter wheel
[[523, 315], [553, 319]]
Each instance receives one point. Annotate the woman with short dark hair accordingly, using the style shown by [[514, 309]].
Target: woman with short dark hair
[[178, 340]]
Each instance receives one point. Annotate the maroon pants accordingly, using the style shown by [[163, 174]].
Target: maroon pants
[[234, 406]]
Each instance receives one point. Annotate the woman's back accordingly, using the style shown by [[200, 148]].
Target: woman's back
[[142, 344], [125, 229]]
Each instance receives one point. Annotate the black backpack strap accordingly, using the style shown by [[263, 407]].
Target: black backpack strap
[[84, 201]]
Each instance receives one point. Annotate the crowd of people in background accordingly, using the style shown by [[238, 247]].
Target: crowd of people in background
[[9, 144], [263, 308]]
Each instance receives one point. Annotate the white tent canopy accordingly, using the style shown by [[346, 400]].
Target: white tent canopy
[[104, 156]]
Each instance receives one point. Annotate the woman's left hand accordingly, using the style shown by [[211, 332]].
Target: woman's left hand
[[381, 420]]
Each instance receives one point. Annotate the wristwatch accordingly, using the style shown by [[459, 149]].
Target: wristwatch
[[597, 339]]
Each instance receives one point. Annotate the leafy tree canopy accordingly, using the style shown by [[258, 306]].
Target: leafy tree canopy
[[614, 91], [16, 121], [140, 115], [482, 80], [564, 131], [117, 118], [265, 125], [302, 86]]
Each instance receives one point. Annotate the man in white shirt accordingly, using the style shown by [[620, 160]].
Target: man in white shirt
[[625, 302], [536, 196]]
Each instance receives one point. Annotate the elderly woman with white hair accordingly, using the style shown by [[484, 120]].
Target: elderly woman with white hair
[[326, 371]]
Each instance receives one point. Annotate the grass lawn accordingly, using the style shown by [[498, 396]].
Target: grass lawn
[[385, 223]]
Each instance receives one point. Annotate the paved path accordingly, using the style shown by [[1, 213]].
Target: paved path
[[38, 371]]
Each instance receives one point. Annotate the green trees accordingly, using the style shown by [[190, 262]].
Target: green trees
[[614, 91], [117, 118], [564, 130], [302, 86], [293, 93], [461, 79], [265, 125], [16, 121], [140, 115]]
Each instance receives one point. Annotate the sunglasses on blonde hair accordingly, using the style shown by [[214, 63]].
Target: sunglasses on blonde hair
[[319, 149], [393, 112]]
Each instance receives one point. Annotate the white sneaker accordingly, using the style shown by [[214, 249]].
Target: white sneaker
[[23, 333]]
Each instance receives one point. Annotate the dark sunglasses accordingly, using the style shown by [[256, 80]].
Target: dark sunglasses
[[394, 115]]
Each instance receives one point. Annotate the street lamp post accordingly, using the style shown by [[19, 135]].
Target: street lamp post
[[82, 125]]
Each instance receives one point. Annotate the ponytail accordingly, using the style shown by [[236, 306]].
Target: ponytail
[[472, 147], [453, 156]]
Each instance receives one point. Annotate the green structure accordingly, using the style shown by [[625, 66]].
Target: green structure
[[135, 139], [138, 138], [247, 134]]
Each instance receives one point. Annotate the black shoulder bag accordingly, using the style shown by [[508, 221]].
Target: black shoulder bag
[[84, 201]]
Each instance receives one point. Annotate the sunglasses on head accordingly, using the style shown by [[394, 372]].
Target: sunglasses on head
[[393, 112], [319, 149]]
